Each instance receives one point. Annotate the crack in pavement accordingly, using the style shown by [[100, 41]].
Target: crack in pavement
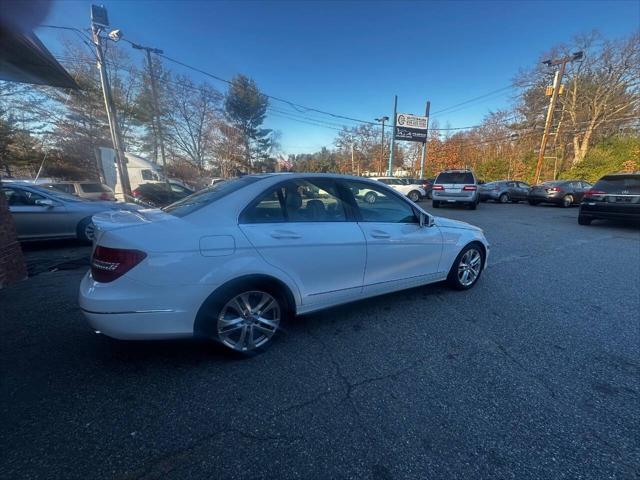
[[523, 367]]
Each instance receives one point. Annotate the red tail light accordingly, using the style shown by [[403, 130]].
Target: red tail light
[[554, 189], [437, 187], [136, 193], [107, 264], [105, 196], [592, 192], [469, 187]]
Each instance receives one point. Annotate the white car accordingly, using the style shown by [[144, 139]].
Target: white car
[[414, 192], [230, 262]]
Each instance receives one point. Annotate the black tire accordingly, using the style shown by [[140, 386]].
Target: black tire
[[208, 323], [453, 279], [370, 197], [435, 204], [414, 196], [504, 198], [473, 205], [84, 230], [567, 201], [533, 202], [584, 220]]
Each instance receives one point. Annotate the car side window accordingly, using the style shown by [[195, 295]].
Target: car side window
[[314, 200], [586, 185], [511, 184], [377, 204], [18, 197], [523, 185]]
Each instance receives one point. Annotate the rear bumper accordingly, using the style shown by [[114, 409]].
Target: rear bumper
[[490, 195], [129, 310], [545, 198], [603, 210], [462, 198]]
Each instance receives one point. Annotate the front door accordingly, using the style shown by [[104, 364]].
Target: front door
[[37, 221], [400, 253], [304, 229]]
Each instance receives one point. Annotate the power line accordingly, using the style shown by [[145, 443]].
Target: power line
[[474, 99]]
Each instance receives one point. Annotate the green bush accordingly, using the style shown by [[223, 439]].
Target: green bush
[[615, 154]]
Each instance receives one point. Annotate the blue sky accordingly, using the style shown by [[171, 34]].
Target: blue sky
[[352, 57]]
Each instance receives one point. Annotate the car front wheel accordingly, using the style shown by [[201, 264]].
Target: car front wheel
[[370, 197], [467, 268], [414, 196], [85, 230]]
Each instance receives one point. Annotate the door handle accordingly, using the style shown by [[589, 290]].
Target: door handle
[[380, 234], [283, 234]]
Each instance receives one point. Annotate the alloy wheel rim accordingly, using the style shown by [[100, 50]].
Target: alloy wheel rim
[[469, 267], [414, 197], [568, 200], [248, 320], [89, 231], [504, 198]]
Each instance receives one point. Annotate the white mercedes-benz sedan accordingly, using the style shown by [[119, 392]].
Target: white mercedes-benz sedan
[[231, 262]]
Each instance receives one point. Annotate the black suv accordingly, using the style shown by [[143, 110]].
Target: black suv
[[614, 196]]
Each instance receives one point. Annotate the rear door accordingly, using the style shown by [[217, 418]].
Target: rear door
[[304, 228], [400, 253]]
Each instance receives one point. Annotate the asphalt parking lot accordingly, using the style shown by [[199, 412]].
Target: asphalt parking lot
[[534, 373]]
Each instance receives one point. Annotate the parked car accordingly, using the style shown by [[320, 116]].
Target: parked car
[[160, 194], [455, 186], [46, 213], [87, 190], [564, 193], [414, 192], [232, 261], [504, 191], [425, 183], [615, 196]]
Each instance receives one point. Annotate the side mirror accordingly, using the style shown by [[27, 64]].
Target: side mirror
[[426, 220], [45, 203]]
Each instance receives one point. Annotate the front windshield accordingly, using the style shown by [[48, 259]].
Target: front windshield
[[208, 195]]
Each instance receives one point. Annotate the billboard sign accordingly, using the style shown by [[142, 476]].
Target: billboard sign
[[411, 127]]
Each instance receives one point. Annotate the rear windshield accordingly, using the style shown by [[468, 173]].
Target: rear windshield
[[456, 177], [93, 188], [209, 195], [619, 183]]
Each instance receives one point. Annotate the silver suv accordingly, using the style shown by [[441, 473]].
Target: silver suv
[[455, 186]]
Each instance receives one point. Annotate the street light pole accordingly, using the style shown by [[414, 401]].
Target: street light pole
[[424, 145], [381, 120], [557, 81]]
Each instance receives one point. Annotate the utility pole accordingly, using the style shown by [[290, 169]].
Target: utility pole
[[98, 22], [154, 95], [393, 134], [353, 165], [381, 120], [557, 81], [424, 145]]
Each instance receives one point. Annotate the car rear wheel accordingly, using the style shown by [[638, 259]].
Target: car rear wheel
[[504, 198], [567, 201], [436, 204], [85, 230], [584, 220], [467, 268], [414, 195]]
